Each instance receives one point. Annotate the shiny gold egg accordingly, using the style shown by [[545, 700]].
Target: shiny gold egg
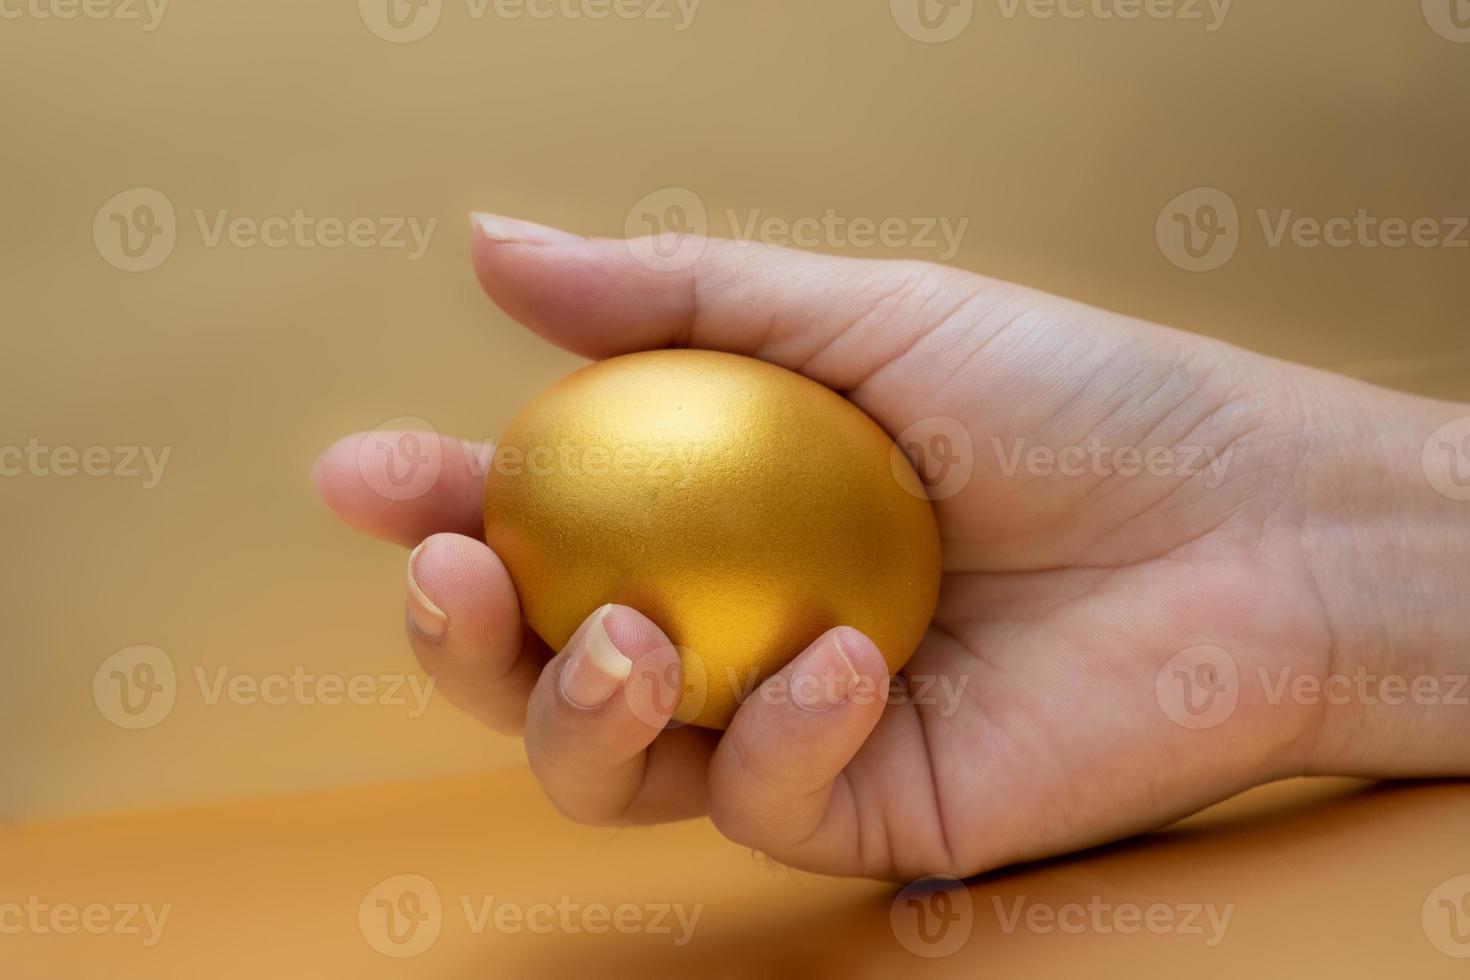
[[742, 507]]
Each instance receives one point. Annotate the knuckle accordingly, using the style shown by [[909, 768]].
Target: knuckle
[[573, 797], [588, 813], [731, 821], [735, 791]]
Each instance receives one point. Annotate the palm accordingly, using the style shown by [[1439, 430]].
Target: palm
[[1033, 705]]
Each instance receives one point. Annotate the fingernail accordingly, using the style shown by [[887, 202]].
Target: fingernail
[[428, 619], [514, 231], [597, 669], [825, 677]]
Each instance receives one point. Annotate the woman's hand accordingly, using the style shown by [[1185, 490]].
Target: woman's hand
[[1161, 536]]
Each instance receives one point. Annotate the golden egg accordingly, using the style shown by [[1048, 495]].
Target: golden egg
[[742, 507]]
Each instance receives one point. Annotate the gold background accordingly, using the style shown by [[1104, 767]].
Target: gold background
[[1060, 140]]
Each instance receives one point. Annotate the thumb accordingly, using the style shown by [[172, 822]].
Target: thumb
[[837, 320]]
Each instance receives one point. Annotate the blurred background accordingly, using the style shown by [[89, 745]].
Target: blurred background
[[235, 232]]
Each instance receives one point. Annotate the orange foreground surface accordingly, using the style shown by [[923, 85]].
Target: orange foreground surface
[[478, 877]]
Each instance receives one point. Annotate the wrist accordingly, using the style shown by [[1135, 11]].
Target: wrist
[[1386, 532]]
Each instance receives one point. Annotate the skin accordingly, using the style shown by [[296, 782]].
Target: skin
[[1319, 551]]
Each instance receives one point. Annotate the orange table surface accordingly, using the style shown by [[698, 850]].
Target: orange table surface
[[479, 877]]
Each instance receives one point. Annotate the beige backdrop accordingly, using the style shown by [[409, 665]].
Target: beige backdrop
[[1060, 140]]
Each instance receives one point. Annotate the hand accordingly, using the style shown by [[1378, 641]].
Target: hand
[[1275, 524]]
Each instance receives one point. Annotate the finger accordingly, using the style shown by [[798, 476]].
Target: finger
[[776, 780], [594, 718], [464, 624], [835, 319], [404, 486]]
